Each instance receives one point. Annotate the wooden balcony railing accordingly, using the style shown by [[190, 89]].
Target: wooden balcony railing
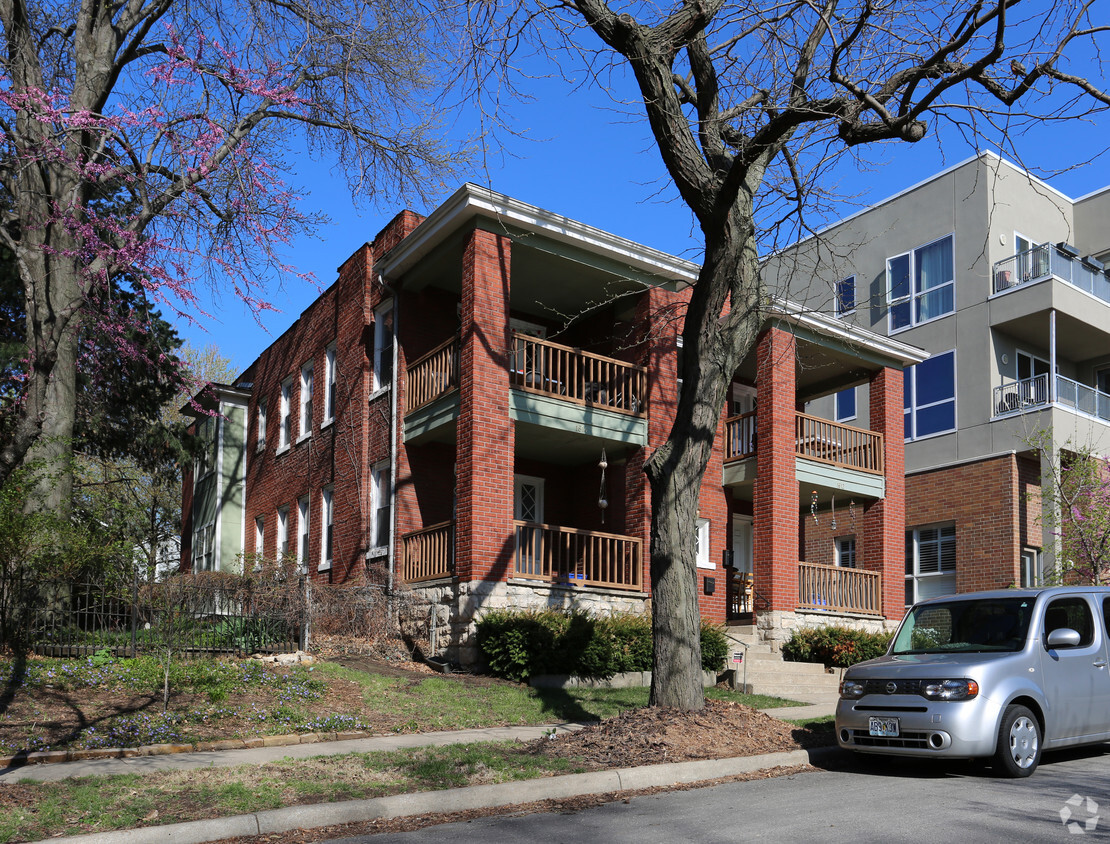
[[582, 557], [740, 436], [831, 442], [839, 589], [814, 438], [429, 553], [432, 375], [539, 366]]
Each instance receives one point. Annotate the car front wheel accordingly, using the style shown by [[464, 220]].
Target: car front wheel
[[1019, 742]]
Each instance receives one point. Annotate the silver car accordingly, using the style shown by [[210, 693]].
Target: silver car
[[1004, 674]]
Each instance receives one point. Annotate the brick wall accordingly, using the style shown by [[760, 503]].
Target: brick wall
[[884, 521], [993, 517]]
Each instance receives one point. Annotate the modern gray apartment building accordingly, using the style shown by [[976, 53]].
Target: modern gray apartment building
[[1000, 278]]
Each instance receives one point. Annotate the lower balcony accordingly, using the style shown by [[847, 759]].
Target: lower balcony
[[428, 554], [1035, 393], [838, 589], [578, 557]]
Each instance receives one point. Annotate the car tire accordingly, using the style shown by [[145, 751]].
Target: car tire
[[1019, 743]]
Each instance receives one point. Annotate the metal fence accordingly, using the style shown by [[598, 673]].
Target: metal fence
[[80, 618]]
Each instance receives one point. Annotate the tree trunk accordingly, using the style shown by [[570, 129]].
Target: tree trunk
[[715, 340]]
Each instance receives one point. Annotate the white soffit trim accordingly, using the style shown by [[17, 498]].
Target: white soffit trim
[[472, 200], [848, 333]]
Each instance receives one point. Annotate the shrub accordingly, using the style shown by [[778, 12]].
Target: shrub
[[522, 644], [838, 646]]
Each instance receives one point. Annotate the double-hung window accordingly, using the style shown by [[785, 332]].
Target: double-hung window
[[302, 533], [930, 562], [845, 296], [929, 395], [306, 400], [921, 284], [327, 518], [261, 425], [282, 532], [286, 432], [381, 504], [701, 545], [846, 551], [329, 383], [383, 345]]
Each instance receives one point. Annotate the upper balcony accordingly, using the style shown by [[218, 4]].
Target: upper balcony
[[1061, 262], [828, 454], [558, 388]]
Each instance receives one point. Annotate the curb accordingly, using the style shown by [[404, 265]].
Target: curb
[[450, 800]]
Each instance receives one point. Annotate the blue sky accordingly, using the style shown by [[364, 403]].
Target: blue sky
[[587, 160]]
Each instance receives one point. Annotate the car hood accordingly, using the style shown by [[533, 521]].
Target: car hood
[[924, 665]]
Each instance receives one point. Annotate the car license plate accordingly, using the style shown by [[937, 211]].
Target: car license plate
[[883, 727]]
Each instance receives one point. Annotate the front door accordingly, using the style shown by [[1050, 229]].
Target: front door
[[528, 507], [740, 597]]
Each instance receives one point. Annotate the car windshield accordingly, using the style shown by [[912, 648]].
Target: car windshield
[[965, 626]]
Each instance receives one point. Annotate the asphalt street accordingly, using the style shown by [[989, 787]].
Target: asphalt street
[[861, 799]]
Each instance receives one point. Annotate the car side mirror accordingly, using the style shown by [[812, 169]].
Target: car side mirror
[[1062, 637]]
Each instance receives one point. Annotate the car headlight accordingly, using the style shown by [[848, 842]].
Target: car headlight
[[851, 689], [962, 689]]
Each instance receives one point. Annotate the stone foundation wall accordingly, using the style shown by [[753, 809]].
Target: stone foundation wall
[[458, 606], [776, 627]]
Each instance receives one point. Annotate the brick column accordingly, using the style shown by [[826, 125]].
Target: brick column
[[776, 485], [484, 540], [884, 521]]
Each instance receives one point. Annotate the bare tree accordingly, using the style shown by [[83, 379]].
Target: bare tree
[[150, 136], [749, 104]]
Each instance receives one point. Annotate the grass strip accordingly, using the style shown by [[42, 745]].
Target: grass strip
[[30, 811]]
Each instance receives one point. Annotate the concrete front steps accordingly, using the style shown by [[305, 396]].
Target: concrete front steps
[[768, 674]]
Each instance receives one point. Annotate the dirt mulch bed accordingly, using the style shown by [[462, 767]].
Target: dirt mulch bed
[[654, 735]]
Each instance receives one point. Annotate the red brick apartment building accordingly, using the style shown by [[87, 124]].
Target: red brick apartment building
[[469, 408]]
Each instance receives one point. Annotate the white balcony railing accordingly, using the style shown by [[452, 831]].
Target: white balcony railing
[[1048, 261]]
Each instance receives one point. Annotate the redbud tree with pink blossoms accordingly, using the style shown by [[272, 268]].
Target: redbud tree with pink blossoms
[[151, 137]]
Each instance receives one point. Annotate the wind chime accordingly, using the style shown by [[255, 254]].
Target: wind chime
[[602, 501], [813, 505], [832, 512]]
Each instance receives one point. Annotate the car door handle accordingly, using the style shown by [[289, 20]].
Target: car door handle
[[1100, 664]]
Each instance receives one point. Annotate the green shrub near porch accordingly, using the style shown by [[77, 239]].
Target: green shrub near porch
[[834, 646], [518, 644]]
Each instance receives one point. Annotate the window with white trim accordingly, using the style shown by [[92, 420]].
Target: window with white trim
[[207, 432], [845, 296], [921, 284], [302, 532], [285, 433], [929, 396], [329, 382], [261, 413], [845, 547], [381, 504], [846, 405], [327, 516], [383, 345], [701, 545], [306, 400], [282, 532], [930, 562], [204, 547], [259, 534]]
